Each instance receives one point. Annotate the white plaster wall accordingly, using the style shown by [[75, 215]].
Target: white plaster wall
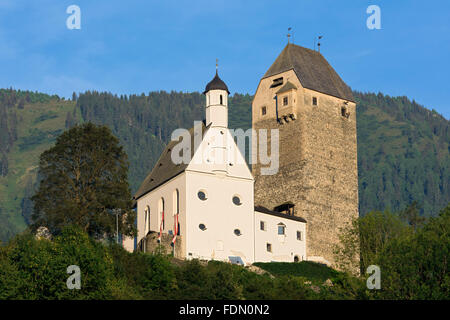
[[284, 248], [221, 179], [152, 199], [215, 112], [220, 216]]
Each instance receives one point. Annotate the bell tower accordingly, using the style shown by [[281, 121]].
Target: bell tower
[[216, 93]]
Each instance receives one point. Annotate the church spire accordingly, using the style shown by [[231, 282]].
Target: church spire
[[216, 93]]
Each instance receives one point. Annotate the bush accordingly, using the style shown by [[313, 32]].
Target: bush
[[40, 267]]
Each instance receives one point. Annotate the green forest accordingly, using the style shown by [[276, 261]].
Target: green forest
[[403, 147]]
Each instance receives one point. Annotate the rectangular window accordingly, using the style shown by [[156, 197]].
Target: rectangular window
[[314, 101], [269, 247], [262, 225], [281, 230], [299, 236], [285, 101], [263, 111]]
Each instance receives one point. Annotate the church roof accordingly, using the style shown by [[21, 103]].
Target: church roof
[[312, 69], [278, 214], [165, 169], [216, 84], [288, 86]]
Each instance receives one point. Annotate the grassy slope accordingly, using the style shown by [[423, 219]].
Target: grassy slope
[[315, 272], [38, 126]]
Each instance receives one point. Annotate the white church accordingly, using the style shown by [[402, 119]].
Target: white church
[[198, 200]]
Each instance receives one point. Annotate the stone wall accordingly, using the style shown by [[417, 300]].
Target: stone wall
[[150, 244], [318, 166]]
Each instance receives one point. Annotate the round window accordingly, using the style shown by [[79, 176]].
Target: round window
[[237, 200], [202, 227], [237, 232], [201, 195]]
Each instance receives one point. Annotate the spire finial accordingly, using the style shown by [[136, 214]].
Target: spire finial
[[289, 34], [217, 65]]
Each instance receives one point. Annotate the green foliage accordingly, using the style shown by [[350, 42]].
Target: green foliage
[[315, 272], [403, 155], [367, 237], [84, 182], [46, 116], [37, 137], [37, 269], [413, 261], [416, 266]]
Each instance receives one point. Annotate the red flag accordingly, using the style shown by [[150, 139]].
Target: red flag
[[175, 229], [160, 227]]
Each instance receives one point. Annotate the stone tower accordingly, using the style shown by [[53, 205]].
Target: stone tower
[[314, 110]]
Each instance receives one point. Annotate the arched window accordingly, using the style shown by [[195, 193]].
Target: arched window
[[176, 210], [161, 213], [147, 220], [176, 202], [221, 99]]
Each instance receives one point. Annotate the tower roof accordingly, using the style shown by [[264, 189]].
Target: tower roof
[[216, 84], [312, 69]]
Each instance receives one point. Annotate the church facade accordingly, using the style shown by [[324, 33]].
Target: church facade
[[202, 201]]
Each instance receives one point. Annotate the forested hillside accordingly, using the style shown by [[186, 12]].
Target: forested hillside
[[403, 148], [403, 154]]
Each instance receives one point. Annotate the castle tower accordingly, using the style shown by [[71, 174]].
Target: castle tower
[[314, 110]]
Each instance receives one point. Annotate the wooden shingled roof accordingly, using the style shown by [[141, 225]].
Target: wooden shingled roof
[[312, 69]]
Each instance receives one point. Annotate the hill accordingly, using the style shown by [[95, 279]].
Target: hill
[[403, 148]]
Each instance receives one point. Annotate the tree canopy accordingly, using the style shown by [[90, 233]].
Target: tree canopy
[[83, 181]]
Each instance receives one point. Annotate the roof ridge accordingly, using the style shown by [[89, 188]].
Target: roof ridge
[[312, 70]]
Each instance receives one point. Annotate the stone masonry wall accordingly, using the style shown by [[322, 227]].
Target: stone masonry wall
[[318, 166], [151, 245]]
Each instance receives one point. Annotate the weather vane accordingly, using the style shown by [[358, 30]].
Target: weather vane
[[318, 42], [289, 34]]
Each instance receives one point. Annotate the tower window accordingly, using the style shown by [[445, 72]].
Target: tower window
[[202, 227], [269, 247], [285, 101], [277, 82], [221, 99], [344, 112], [281, 229], [237, 200], [237, 232], [299, 236], [314, 101], [263, 111], [262, 225]]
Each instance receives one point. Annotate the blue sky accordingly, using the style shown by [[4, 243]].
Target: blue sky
[[140, 46]]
